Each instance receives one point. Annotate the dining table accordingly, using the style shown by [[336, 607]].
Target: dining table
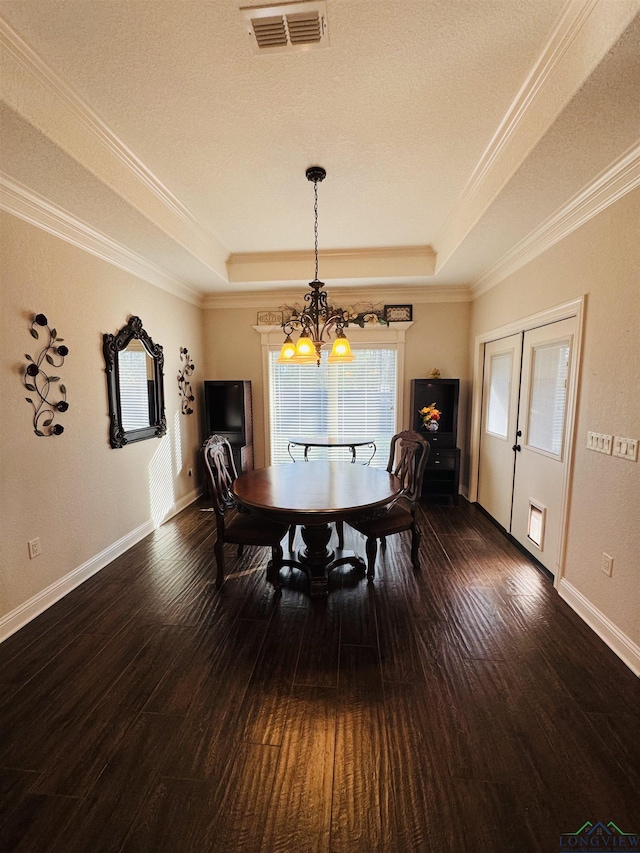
[[314, 496]]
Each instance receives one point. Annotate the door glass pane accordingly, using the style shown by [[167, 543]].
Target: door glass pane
[[499, 384], [548, 397]]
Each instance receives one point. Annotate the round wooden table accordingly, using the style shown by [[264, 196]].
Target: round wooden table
[[314, 495]]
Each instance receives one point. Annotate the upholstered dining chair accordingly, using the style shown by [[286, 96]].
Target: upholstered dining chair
[[232, 526], [408, 456]]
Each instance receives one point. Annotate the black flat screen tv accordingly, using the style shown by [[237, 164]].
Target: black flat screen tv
[[226, 406]]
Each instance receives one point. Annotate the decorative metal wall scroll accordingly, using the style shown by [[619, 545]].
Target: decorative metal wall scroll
[[184, 386], [38, 381]]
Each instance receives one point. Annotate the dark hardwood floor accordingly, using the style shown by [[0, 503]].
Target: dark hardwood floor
[[462, 708]]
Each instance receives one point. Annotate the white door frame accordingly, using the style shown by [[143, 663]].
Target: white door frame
[[575, 308]]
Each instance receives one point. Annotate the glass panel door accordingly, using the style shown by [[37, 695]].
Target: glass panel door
[[500, 391], [536, 517]]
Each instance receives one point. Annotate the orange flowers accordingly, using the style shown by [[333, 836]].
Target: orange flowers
[[429, 413]]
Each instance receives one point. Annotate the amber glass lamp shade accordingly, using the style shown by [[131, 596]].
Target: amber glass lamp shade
[[341, 351], [305, 351], [287, 352]]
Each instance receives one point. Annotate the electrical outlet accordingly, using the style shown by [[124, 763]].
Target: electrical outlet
[[607, 564], [190, 472], [599, 442], [625, 448], [34, 548]]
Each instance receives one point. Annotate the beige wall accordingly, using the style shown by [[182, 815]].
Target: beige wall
[[438, 338], [74, 492], [601, 260]]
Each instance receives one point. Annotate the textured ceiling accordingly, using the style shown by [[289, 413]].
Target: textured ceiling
[[456, 127]]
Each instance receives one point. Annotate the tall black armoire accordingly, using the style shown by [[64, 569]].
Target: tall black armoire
[[442, 474], [227, 412]]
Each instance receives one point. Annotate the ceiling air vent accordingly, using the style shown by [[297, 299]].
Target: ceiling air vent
[[292, 26]]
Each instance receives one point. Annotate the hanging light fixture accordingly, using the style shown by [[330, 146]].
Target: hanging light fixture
[[318, 317]]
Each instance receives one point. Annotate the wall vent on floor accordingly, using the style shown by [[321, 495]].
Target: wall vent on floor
[[290, 26]]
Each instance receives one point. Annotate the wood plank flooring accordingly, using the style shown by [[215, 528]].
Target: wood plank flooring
[[461, 708]]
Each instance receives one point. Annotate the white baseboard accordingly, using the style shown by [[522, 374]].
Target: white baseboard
[[183, 503], [617, 641], [18, 618]]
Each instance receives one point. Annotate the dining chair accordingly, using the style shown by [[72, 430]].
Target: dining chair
[[408, 456], [233, 526]]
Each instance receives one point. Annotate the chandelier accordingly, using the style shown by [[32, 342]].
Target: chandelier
[[318, 317]]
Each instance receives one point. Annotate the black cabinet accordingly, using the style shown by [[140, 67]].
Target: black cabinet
[[227, 412], [442, 474]]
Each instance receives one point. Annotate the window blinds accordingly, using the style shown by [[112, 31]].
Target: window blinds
[[344, 401], [499, 390], [548, 398]]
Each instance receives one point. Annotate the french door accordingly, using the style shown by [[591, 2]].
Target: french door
[[524, 435], [500, 394]]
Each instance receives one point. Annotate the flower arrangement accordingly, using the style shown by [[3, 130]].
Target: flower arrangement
[[430, 417]]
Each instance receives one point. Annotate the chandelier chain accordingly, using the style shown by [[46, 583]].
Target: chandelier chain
[[317, 317], [315, 227]]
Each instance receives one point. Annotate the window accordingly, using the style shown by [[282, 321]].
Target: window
[[339, 400], [500, 386], [548, 398]]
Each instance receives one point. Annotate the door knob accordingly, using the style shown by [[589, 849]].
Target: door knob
[[516, 447]]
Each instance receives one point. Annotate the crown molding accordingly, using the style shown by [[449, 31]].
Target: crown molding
[[20, 201], [383, 252], [26, 204], [584, 32], [85, 116], [568, 26], [620, 178], [265, 300], [386, 262]]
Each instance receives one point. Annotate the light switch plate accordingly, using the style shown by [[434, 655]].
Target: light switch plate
[[599, 442], [625, 448]]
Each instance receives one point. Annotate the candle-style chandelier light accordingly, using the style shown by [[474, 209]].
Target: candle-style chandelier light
[[318, 317]]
